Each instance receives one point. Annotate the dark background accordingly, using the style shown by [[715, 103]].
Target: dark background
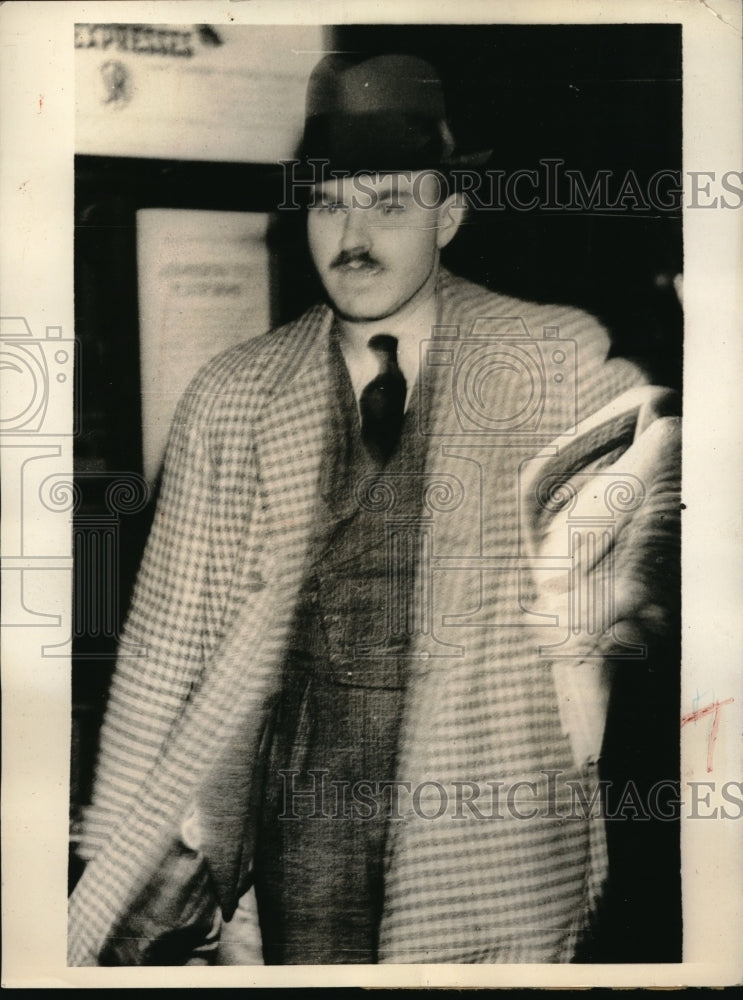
[[598, 97]]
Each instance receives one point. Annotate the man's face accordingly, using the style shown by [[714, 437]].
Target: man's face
[[375, 240]]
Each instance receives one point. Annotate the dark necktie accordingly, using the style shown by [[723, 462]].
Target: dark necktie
[[382, 402]]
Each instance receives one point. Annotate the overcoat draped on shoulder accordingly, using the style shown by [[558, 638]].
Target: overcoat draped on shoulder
[[213, 605]]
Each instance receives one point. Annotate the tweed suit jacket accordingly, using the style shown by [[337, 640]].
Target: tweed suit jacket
[[213, 606]]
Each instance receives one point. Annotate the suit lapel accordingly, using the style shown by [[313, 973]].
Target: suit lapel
[[289, 442]]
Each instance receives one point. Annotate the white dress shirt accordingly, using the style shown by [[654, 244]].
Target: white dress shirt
[[363, 363]]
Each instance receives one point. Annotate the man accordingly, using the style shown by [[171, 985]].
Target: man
[[354, 717]]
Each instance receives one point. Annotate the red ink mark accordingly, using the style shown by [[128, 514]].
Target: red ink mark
[[41, 102], [700, 713]]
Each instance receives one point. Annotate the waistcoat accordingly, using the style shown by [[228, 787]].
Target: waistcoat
[[320, 858]]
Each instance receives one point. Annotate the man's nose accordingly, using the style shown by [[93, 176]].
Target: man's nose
[[356, 234]]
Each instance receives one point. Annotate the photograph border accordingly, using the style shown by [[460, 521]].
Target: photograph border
[[36, 285]]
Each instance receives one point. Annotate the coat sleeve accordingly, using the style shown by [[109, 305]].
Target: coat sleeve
[[148, 692]]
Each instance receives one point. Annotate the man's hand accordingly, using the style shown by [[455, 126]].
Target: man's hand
[[174, 921]]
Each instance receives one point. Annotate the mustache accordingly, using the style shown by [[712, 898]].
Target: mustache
[[355, 257]]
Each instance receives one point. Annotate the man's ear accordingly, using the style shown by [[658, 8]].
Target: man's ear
[[451, 215]]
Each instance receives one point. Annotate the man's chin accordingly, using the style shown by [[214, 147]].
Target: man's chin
[[356, 316], [359, 302], [371, 301], [361, 312]]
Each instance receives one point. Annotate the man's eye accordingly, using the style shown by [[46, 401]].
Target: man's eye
[[392, 208], [328, 206]]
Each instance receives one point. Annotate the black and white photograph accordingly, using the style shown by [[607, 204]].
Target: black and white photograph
[[392, 627]]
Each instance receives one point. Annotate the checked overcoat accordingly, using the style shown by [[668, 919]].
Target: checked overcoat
[[213, 606]]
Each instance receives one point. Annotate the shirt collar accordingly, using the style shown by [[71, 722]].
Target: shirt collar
[[410, 332]]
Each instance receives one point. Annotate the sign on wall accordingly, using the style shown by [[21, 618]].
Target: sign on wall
[[193, 92], [204, 285]]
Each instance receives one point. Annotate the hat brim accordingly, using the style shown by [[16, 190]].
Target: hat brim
[[380, 142], [320, 169]]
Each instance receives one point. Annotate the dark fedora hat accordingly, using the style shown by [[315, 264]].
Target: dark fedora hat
[[379, 113]]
